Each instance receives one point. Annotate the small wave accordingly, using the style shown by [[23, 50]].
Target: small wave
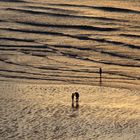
[[108, 9], [24, 46], [21, 72], [116, 9], [81, 27], [22, 77], [64, 15], [119, 43], [16, 1], [130, 35], [52, 9], [34, 31], [16, 39]]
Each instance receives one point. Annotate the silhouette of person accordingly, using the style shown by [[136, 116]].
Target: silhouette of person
[[72, 97], [100, 71], [77, 96]]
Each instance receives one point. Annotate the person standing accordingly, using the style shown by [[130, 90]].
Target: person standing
[[100, 71], [77, 96], [72, 97]]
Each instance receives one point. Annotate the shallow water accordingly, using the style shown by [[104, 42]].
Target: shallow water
[[68, 41]]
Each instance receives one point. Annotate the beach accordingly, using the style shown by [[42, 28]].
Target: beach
[[51, 49]]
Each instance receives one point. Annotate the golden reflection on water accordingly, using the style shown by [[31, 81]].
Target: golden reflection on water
[[68, 41]]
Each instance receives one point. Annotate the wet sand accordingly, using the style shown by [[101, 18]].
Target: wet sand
[[30, 111]]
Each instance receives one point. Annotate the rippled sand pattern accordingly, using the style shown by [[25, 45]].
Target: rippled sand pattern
[[67, 42], [40, 112]]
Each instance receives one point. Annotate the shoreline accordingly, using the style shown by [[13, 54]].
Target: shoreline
[[130, 86]]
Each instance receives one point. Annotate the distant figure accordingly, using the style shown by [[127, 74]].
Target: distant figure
[[100, 71], [76, 95], [72, 97]]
